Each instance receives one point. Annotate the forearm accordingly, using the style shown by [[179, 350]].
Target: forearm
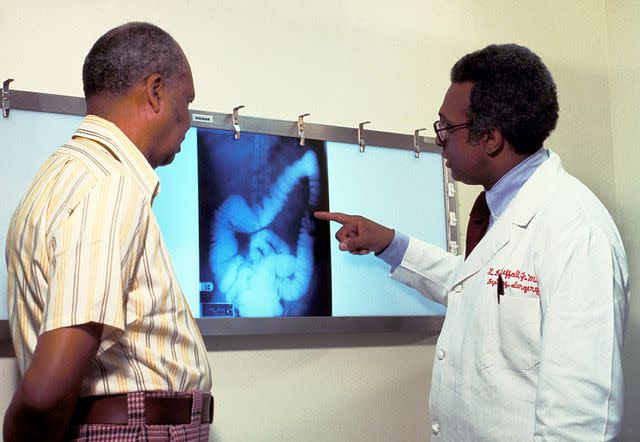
[[27, 420], [44, 402], [428, 269]]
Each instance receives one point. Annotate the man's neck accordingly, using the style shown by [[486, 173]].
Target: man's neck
[[504, 164], [124, 113]]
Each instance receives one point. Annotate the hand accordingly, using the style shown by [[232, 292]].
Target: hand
[[359, 235]]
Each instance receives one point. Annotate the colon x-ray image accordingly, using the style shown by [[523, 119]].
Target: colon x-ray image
[[262, 253]]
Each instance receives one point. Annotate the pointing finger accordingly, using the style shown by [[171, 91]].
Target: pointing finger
[[341, 218]]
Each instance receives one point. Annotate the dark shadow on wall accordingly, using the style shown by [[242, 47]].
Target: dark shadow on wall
[[311, 341], [6, 349]]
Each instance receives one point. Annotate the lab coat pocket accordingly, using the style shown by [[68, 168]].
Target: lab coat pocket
[[518, 332]]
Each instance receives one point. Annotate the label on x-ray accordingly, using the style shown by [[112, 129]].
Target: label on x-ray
[[206, 286], [203, 118], [217, 309]]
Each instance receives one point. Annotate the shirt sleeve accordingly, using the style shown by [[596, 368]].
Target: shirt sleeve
[[580, 390], [394, 252], [428, 269], [96, 251]]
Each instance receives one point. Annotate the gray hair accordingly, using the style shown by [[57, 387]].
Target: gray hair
[[127, 54]]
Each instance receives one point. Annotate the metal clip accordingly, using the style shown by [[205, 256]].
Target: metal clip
[[451, 190], [301, 128], [236, 126], [452, 219], [453, 247], [361, 135], [416, 141], [6, 102]]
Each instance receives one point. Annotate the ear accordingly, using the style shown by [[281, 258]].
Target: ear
[[153, 86], [494, 142]]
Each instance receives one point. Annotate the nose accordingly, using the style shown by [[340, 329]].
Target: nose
[[442, 144]]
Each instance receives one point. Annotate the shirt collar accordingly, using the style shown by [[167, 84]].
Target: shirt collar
[[109, 135], [503, 191]]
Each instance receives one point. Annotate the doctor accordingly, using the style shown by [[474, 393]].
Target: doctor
[[532, 341]]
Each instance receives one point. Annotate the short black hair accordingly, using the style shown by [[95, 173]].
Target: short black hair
[[513, 91], [127, 54]]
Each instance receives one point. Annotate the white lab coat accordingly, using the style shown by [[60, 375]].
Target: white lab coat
[[545, 363]]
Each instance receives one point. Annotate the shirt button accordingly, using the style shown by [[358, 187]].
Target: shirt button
[[458, 289], [435, 429], [440, 354]]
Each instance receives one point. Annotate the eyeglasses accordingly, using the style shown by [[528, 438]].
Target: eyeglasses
[[442, 131]]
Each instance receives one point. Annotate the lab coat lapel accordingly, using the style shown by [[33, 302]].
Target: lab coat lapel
[[519, 213], [495, 239]]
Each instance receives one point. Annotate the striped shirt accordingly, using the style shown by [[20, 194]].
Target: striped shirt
[[84, 246]]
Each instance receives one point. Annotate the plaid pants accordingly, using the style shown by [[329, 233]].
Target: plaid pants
[[138, 431]]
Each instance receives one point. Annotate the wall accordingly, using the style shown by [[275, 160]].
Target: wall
[[346, 62], [623, 19]]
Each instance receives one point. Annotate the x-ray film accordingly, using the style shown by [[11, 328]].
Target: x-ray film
[[262, 253]]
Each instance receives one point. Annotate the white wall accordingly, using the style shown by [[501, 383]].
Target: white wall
[[623, 18], [345, 62]]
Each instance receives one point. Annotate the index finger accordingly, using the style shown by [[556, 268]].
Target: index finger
[[341, 218]]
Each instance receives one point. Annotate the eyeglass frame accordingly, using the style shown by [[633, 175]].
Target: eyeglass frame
[[449, 129]]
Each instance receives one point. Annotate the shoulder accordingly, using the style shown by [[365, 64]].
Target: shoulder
[[573, 216], [99, 168], [92, 158], [92, 179], [573, 207]]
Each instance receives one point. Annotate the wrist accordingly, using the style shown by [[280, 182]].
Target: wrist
[[390, 234]]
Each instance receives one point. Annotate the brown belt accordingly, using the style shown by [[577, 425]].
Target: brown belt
[[157, 410]]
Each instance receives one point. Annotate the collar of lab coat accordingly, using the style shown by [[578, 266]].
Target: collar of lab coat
[[519, 213]]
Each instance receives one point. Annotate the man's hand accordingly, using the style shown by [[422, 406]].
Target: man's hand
[[359, 235]]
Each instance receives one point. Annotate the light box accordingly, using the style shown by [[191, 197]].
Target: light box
[[236, 217]]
